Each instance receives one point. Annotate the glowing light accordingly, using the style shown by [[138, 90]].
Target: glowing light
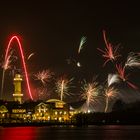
[[83, 40], [6, 65], [110, 93], [90, 94], [78, 64], [43, 76], [133, 60], [112, 78], [110, 52], [23, 61], [121, 72], [42, 93], [30, 56], [62, 87]]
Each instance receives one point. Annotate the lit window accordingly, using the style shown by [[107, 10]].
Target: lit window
[[48, 117], [60, 119]]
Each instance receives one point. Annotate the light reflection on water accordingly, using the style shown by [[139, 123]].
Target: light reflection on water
[[106, 132]]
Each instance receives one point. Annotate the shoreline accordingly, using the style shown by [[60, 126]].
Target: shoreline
[[61, 124]]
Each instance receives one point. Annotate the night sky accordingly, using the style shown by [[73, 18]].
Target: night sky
[[52, 30]]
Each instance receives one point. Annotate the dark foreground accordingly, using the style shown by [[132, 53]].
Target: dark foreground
[[103, 132]]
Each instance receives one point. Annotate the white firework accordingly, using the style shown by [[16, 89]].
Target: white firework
[[113, 78], [83, 40], [133, 60], [110, 93], [43, 76], [90, 94], [62, 87]]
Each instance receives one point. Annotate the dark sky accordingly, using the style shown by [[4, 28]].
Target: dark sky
[[53, 31]]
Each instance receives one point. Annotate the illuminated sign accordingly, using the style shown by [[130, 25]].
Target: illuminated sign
[[59, 105], [18, 110]]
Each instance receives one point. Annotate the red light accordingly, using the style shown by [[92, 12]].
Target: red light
[[23, 62]]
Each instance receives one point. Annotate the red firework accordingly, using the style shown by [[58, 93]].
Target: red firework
[[110, 53], [121, 73]]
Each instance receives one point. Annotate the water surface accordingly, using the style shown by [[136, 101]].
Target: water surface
[[106, 132]]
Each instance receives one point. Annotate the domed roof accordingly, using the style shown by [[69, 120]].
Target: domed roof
[[54, 100]]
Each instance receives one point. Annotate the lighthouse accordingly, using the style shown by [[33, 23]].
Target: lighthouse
[[17, 88]]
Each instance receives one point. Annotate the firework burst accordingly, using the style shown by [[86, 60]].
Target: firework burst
[[42, 93], [43, 76], [90, 94], [133, 60], [110, 93], [7, 62], [62, 87], [6, 65], [121, 73], [110, 53], [113, 78], [82, 42]]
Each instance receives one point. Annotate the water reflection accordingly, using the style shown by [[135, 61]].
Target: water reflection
[[105, 132], [18, 133]]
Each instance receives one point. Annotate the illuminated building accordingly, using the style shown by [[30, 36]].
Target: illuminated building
[[52, 110], [3, 112], [59, 110], [17, 88], [41, 112]]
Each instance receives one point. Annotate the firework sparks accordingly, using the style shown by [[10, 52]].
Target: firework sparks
[[22, 59], [110, 93], [133, 60], [90, 94], [121, 72], [112, 78], [42, 93], [30, 56], [62, 87], [43, 76], [6, 65], [7, 62], [110, 53], [82, 42]]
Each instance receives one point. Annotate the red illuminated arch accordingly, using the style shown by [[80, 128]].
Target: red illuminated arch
[[23, 61]]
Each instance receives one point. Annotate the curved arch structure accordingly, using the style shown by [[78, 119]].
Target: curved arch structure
[[23, 61]]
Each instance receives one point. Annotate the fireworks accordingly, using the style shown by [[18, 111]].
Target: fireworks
[[5, 66], [7, 62], [23, 61], [62, 87], [133, 60], [110, 53], [42, 93], [83, 40], [110, 93], [121, 72], [113, 78], [30, 56], [43, 76], [90, 93]]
